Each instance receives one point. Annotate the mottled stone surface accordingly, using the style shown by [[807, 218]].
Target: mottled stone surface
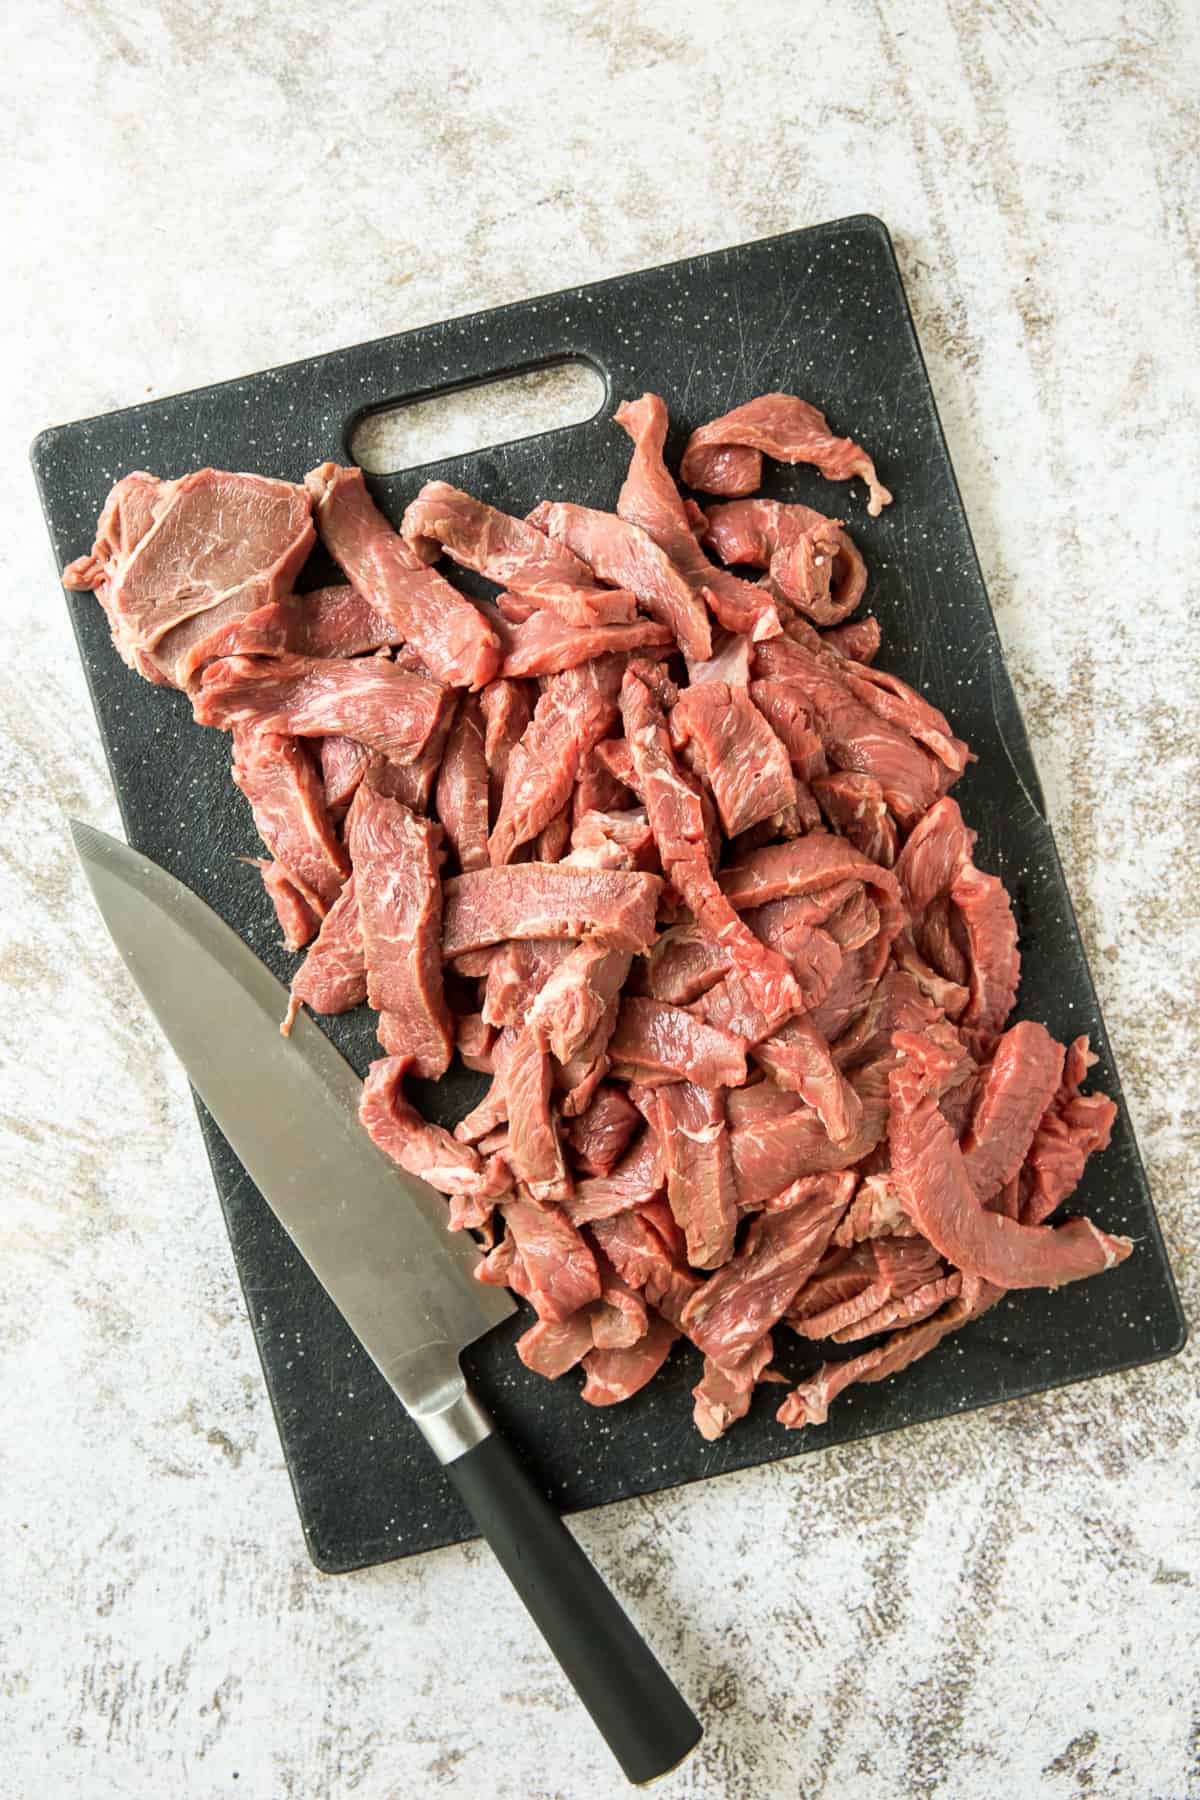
[[1003, 1604]]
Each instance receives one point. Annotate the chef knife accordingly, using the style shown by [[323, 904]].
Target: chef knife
[[376, 1239]]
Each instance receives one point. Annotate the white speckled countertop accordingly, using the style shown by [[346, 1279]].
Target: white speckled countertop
[[1004, 1604]]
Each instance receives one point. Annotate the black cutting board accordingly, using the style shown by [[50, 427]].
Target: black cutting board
[[822, 313]]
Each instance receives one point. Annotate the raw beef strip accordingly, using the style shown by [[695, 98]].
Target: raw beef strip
[[617, 840], [473, 965], [903, 707], [552, 840], [857, 638], [287, 798], [502, 1267], [796, 816], [534, 1150], [507, 710], [445, 629], [838, 1277], [809, 1403], [621, 1316], [940, 1054], [896, 1005], [725, 1390], [812, 560], [617, 756], [543, 645], [530, 900], [739, 755], [813, 956], [328, 621], [948, 996], [791, 928], [599, 1137], [1073, 1127], [936, 935], [855, 806], [875, 1211], [647, 1259], [474, 1040], [700, 1184], [575, 711], [840, 907], [615, 1375], [775, 1138], [491, 1113], [873, 1274], [759, 991], [412, 783], [343, 765], [395, 858], [684, 963], [558, 1263], [475, 1043], [783, 705], [903, 1309], [462, 788], [516, 977], [618, 1320], [995, 963], [725, 456], [176, 562], [513, 554], [650, 499], [851, 989], [578, 1078], [797, 1057], [368, 699], [574, 1000], [805, 866], [629, 557], [856, 918], [333, 976], [417, 1145], [665, 1041], [552, 1347], [596, 790], [1014, 1091], [299, 913], [731, 663], [756, 1286], [126, 518], [854, 735], [337, 621], [931, 1176], [636, 1179], [802, 867], [935, 853]]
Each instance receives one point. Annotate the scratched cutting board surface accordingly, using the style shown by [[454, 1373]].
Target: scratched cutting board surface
[[820, 312]]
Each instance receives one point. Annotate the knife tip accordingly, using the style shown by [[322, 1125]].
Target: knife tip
[[86, 839]]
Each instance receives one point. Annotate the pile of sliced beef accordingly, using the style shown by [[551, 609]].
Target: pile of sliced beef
[[649, 840]]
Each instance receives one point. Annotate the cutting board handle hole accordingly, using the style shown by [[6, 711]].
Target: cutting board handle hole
[[476, 415]]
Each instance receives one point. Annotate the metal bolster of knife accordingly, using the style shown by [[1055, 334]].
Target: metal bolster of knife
[[433, 1387]]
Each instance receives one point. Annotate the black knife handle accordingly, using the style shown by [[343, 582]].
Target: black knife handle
[[648, 1725]]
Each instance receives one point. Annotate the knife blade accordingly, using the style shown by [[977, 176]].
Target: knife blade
[[376, 1239]]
